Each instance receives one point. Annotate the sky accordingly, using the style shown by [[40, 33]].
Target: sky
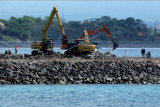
[[82, 10]]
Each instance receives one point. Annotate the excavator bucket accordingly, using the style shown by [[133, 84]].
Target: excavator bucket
[[64, 42], [115, 44]]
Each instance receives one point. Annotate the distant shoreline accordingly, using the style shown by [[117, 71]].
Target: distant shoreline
[[27, 44]]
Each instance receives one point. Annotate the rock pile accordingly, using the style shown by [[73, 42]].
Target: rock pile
[[95, 72], [27, 56], [94, 55], [99, 55]]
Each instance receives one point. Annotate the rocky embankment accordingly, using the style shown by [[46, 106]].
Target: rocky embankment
[[80, 72], [55, 55]]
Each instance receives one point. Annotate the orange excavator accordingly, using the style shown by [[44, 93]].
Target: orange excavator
[[82, 45]]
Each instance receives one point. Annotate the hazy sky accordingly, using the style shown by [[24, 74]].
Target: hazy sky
[[81, 10]]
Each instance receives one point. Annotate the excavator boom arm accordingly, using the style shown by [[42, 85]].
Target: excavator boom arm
[[45, 29], [59, 21], [92, 32], [107, 31], [109, 34]]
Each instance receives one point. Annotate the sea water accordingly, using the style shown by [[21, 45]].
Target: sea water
[[122, 95], [130, 52]]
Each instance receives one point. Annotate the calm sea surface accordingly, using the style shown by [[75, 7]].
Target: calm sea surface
[[80, 95], [130, 52]]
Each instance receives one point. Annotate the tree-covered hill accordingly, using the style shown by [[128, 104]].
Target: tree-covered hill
[[30, 28]]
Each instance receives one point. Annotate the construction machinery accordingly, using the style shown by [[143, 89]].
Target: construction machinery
[[82, 45], [46, 45]]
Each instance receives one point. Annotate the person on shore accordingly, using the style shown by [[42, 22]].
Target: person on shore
[[143, 52], [148, 55], [16, 48], [6, 54], [9, 52]]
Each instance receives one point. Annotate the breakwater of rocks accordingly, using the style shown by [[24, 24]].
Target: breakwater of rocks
[[81, 72], [55, 55]]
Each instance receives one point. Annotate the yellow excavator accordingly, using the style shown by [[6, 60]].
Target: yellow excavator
[[82, 46], [46, 45]]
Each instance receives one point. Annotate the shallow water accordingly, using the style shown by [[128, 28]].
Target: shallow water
[[79, 95], [130, 52]]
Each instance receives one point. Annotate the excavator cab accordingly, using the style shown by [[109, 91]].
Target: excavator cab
[[49, 43]]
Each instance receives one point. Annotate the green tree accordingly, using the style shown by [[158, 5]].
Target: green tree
[[13, 18]]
